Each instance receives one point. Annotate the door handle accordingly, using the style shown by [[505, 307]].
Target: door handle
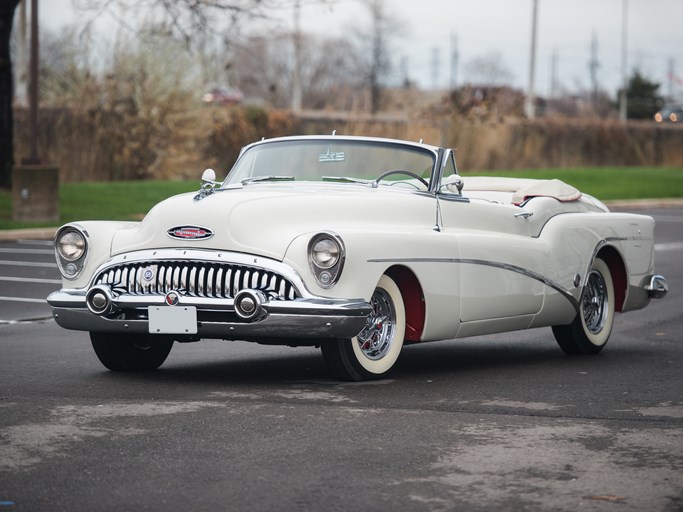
[[524, 215]]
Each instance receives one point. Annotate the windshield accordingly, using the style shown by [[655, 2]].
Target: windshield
[[343, 160]]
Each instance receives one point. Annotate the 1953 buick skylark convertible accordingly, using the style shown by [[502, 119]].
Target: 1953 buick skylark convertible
[[359, 246]]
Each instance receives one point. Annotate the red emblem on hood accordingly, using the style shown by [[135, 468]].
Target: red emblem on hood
[[189, 233]]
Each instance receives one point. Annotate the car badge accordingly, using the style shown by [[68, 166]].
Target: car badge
[[172, 298], [189, 233]]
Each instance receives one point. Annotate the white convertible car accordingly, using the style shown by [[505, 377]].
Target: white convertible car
[[359, 246]]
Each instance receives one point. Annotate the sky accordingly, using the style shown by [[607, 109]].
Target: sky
[[565, 29]]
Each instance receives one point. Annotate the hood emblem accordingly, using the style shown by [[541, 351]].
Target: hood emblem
[[189, 233]]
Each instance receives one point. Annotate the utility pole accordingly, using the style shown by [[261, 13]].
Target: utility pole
[[435, 68], [554, 86], [296, 76], [35, 186], [624, 73], [21, 92], [454, 61], [33, 158], [529, 108], [593, 66]]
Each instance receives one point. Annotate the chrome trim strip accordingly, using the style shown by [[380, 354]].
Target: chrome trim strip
[[505, 266], [318, 306]]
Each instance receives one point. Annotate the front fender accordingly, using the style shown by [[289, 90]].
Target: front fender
[[99, 236]]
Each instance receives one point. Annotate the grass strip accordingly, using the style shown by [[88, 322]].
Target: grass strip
[[131, 200]]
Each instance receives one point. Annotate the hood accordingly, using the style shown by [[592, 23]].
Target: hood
[[263, 219]]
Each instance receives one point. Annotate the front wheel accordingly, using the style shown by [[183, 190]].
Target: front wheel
[[130, 352], [590, 330], [372, 353]]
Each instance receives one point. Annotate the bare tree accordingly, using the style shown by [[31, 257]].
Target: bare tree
[[376, 41], [265, 67], [180, 17], [488, 69]]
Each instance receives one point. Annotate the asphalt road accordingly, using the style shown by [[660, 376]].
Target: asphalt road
[[502, 422]]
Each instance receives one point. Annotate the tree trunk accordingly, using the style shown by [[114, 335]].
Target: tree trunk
[[7, 8]]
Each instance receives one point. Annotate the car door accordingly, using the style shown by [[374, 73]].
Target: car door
[[500, 263]]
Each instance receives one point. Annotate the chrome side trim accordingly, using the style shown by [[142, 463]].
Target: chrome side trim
[[505, 266]]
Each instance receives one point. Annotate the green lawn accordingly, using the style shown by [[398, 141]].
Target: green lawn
[[130, 200], [610, 183]]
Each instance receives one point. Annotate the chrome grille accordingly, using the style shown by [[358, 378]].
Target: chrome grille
[[195, 278]]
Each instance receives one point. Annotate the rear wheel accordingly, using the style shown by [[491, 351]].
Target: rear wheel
[[372, 353], [130, 352], [591, 328]]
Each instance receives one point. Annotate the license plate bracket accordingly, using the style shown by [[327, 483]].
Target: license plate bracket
[[172, 320]]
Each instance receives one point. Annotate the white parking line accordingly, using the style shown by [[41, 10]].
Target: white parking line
[[22, 299], [30, 280], [28, 264], [674, 246], [35, 242], [27, 251]]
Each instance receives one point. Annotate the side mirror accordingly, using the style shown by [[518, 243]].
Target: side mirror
[[453, 183], [459, 184], [209, 175]]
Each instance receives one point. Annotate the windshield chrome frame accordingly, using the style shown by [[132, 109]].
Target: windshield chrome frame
[[436, 152]]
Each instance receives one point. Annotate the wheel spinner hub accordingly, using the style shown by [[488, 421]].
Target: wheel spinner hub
[[376, 338], [595, 303]]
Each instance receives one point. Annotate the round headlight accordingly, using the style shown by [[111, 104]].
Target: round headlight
[[325, 253], [71, 245]]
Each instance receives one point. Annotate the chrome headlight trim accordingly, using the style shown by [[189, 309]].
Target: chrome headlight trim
[[326, 256], [71, 250]]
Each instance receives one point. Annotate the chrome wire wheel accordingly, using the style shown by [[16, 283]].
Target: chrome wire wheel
[[591, 328], [376, 338], [595, 302], [374, 351]]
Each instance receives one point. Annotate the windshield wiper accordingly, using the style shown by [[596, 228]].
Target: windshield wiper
[[255, 179], [347, 179]]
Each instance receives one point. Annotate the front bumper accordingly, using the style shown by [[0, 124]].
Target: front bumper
[[306, 318]]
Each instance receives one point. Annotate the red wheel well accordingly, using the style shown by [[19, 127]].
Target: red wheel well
[[618, 270], [413, 299]]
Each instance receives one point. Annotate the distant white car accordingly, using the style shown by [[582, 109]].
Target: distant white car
[[359, 246]]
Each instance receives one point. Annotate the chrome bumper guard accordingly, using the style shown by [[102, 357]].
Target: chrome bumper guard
[[311, 317], [657, 287]]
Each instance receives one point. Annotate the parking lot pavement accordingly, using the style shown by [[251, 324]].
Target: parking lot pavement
[[28, 274]]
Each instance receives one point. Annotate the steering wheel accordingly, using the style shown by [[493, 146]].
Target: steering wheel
[[401, 171]]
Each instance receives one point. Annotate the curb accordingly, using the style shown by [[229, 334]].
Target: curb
[[644, 204], [11, 235]]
